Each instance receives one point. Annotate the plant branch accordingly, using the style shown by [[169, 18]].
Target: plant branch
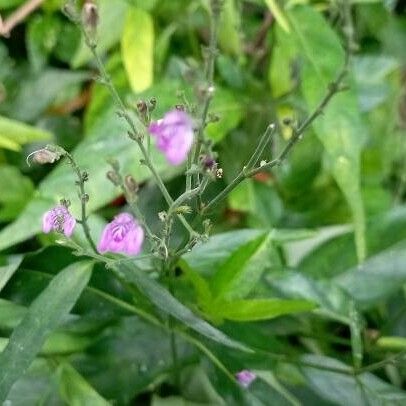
[[333, 88], [18, 16], [84, 198], [134, 133]]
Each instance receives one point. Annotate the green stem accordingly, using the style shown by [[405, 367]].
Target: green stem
[[332, 90], [83, 200], [135, 134]]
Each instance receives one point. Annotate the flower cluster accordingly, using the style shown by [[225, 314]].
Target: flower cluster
[[245, 378], [122, 235]]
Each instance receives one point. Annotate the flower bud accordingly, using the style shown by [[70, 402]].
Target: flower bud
[[90, 20], [46, 155], [113, 178], [131, 186]]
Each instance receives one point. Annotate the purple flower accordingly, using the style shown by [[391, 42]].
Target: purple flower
[[123, 235], [174, 134], [60, 220], [245, 377]]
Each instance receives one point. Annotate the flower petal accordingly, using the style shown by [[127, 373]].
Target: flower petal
[[47, 222]]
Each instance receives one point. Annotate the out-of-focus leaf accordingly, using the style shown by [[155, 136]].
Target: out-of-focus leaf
[[41, 38], [137, 45], [356, 336], [10, 314], [391, 343], [337, 254], [43, 316], [75, 390], [279, 15], [4, 4], [229, 36], [161, 298], [14, 134], [340, 128], [226, 105], [376, 278], [342, 389], [37, 92], [111, 15], [16, 191], [259, 309], [333, 302], [8, 268]]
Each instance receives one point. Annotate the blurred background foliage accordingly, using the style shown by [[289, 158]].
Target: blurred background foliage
[[328, 226]]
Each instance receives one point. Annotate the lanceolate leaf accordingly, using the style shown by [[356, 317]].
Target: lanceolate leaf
[[162, 299], [137, 46], [340, 128], [259, 309], [44, 315], [7, 270]]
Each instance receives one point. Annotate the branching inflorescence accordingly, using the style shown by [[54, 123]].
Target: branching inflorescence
[[182, 139]]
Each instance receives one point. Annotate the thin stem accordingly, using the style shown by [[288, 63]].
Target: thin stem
[[209, 73], [332, 90], [134, 134], [82, 178]]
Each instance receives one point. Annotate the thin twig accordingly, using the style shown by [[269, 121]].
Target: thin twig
[[332, 90], [18, 16]]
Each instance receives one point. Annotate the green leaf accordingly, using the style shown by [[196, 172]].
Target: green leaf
[[229, 110], [8, 268], [259, 309], [162, 299], [14, 134], [392, 343], [207, 257], [278, 14], [356, 336], [111, 15], [5, 4], [137, 49], [376, 278], [242, 270], [44, 315], [75, 390], [229, 35], [340, 128], [16, 192], [343, 389]]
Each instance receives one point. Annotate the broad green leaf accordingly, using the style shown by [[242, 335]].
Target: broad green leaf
[[343, 389], [44, 315], [333, 302], [36, 92], [4, 4], [229, 110], [16, 192], [112, 15], [8, 267], [162, 299], [376, 278], [229, 35], [259, 309], [11, 314], [242, 270], [75, 390], [207, 257], [279, 15], [337, 254], [14, 134], [340, 128], [137, 49]]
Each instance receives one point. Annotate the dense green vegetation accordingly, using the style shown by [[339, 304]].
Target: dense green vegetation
[[296, 271]]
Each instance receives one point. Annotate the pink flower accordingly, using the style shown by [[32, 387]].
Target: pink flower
[[123, 235], [174, 134], [60, 220], [245, 377]]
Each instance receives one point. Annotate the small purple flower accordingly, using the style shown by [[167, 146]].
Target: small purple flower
[[123, 235], [245, 377], [174, 134], [60, 220]]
